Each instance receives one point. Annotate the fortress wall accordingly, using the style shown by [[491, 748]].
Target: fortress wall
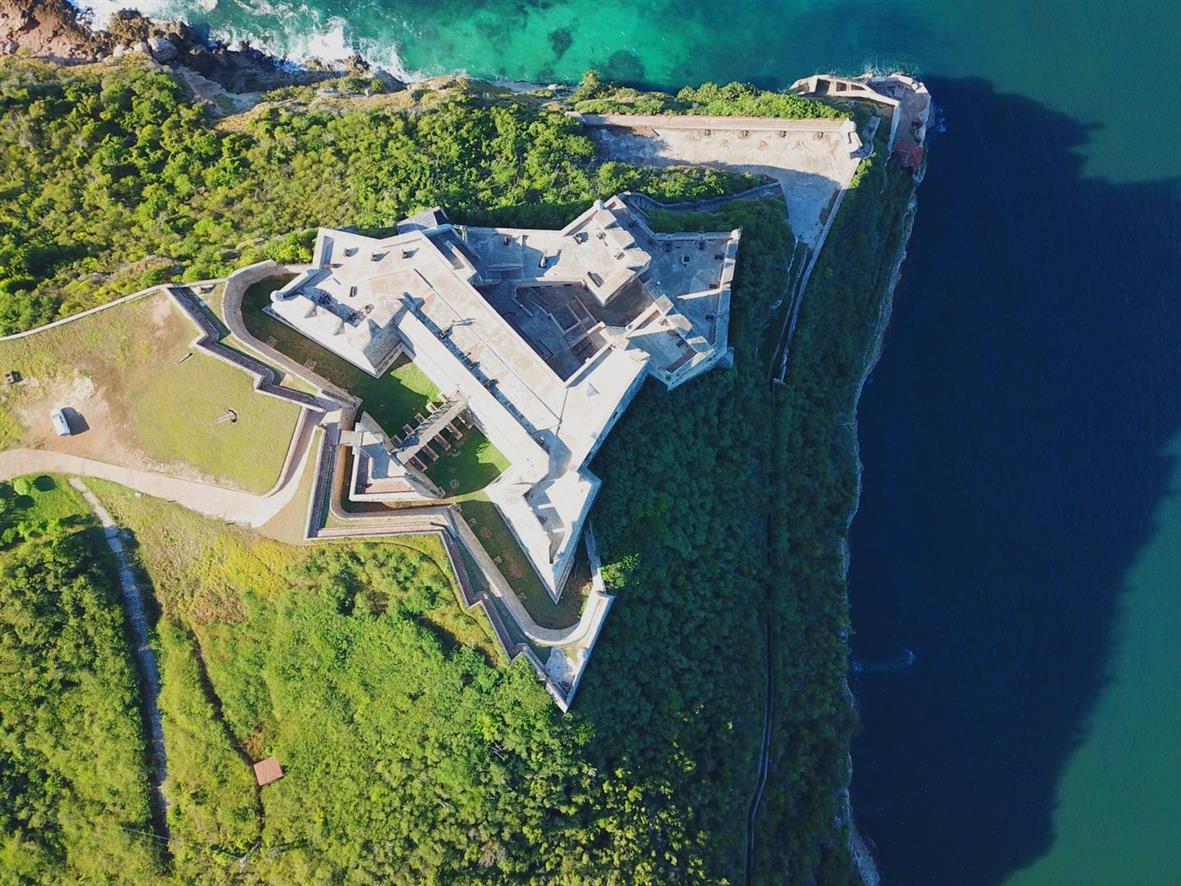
[[266, 378], [235, 291]]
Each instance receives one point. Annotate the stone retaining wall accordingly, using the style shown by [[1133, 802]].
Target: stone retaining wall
[[266, 378], [235, 291]]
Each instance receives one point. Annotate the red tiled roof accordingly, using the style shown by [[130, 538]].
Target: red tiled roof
[[268, 770], [909, 155]]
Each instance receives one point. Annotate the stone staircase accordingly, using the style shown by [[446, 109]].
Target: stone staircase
[[429, 428]]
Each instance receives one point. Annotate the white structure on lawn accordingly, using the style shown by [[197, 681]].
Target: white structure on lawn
[[539, 338]]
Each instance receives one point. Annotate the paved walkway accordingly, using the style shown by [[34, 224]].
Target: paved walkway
[[133, 605]]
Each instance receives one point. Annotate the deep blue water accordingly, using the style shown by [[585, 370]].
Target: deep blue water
[[1016, 433], [1013, 442]]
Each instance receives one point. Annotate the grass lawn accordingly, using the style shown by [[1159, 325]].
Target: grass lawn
[[470, 467], [501, 545], [143, 397]]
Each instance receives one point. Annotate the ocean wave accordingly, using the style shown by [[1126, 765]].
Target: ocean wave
[[296, 34], [100, 11]]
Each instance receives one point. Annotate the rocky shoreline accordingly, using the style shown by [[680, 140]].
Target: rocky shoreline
[[56, 31]]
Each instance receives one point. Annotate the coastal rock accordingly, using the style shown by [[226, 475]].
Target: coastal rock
[[163, 49], [47, 29], [55, 30]]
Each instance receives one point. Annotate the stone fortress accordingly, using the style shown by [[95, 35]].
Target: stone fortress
[[538, 338]]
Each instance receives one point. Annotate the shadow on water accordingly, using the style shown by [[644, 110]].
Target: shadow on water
[[1011, 444]]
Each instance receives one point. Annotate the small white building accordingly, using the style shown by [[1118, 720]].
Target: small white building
[[61, 424]]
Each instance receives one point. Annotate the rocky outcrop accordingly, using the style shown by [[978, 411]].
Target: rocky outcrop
[[54, 30], [48, 29]]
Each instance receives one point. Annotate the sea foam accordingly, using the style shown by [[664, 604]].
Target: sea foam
[[295, 34]]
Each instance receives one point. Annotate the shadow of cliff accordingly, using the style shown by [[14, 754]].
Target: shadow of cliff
[[1011, 440]]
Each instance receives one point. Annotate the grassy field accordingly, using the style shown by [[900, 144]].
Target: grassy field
[[268, 648], [501, 545], [201, 568], [141, 396], [339, 658]]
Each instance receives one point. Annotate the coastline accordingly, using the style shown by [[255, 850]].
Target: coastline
[[64, 36], [860, 850], [57, 31]]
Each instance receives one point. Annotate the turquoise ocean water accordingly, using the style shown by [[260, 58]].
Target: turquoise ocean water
[[1020, 527]]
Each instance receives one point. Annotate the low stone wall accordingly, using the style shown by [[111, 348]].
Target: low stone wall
[[266, 378], [151, 290], [702, 121], [235, 291]]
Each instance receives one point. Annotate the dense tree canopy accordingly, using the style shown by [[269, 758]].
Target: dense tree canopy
[[114, 182], [412, 753], [73, 777], [595, 96]]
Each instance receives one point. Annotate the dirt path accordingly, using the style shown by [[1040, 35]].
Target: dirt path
[[212, 501], [133, 605]]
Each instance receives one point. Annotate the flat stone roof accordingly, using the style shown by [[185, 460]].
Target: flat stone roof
[[544, 335]]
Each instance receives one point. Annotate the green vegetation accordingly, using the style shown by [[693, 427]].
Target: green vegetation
[[595, 96], [214, 810], [107, 168], [408, 754], [32, 506], [140, 391], [494, 534], [73, 778], [472, 465], [412, 751], [815, 460], [707, 583], [686, 552]]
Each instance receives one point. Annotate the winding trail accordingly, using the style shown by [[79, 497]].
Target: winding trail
[[133, 604]]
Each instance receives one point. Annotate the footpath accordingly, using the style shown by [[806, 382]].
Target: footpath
[[149, 673]]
